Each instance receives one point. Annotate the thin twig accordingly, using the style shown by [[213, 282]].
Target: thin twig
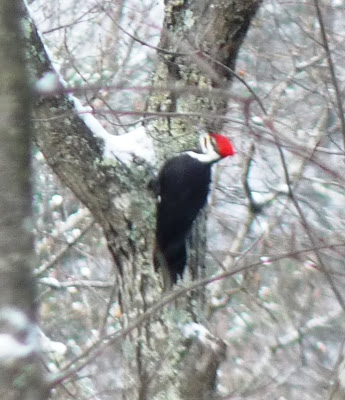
[[100, 345], [55, 284], [307, 229], [238, 77], [253, 206], [338, 93], [43, 268]]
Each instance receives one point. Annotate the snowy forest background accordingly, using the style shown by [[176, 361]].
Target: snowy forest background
[[276, 210]]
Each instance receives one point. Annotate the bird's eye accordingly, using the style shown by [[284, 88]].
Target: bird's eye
[[205, 142]]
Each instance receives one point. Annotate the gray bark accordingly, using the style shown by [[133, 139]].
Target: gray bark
[[21, 376], [200, 42], [211, 33]]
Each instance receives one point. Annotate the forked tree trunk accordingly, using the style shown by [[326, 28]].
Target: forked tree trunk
[[200, 41]]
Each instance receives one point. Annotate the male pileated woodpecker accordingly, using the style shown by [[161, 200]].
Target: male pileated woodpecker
[[182, 187]]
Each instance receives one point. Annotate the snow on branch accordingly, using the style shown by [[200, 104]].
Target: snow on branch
[[135, 143], [125, 148], [19, 337]]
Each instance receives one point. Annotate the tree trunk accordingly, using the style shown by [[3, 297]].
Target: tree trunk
[[21, 375], [199, 43]]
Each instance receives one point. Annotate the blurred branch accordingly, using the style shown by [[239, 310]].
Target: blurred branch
[[78, 20], [339, 95], [306, 227], [55, 284], [244, 229], [56, 258], [110, 302], [101, 344], [290, 193], [238, 77], [136, 39], [314, 323], [254, 207]]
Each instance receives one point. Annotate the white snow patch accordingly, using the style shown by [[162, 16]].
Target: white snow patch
[[48, 84], [85, 272], [73, 235], [56, 201], [123, 147], [14, 317], [21, 340], [78, 307], [49, 346], [193, 329], [49, 281], [266, 260], [337, 3], [71, 222], [93, 339], [205, 337], [12, 349], [257, 120], [263, 198], [134, 143]]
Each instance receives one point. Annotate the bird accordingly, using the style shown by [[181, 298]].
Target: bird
[[181, 188]]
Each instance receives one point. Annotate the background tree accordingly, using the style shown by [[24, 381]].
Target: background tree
[[281, 321], [21, 375]]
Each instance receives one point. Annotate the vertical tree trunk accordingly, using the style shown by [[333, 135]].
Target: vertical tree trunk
[[20, 372], [200, 42]]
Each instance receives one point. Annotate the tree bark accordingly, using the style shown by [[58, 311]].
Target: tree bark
[[200, 41], [21, 376]]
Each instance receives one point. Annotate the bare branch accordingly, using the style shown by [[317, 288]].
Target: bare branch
[[339, 95], [56, 258]]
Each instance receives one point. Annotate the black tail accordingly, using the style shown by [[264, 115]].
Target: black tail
[[171, 259]]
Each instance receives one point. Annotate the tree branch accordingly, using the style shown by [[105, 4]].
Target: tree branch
[[339, 95]]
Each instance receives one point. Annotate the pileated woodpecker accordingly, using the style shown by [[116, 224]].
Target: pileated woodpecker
[[182, 187]]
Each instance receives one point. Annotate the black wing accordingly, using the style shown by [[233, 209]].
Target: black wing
[[183, 189]]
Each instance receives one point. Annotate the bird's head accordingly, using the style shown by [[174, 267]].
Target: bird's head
[[216, 145], [222, 145]]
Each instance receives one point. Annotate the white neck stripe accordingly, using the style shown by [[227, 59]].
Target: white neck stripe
[[209, 157]]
